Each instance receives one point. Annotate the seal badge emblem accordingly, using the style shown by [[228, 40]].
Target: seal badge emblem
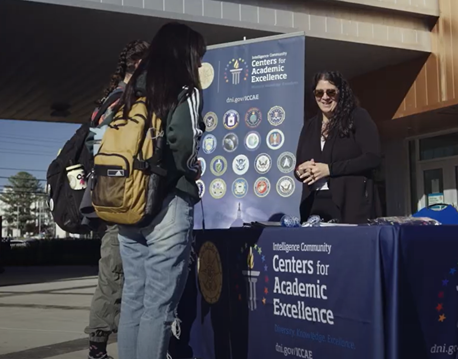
[[217, 188], [211, 121], [286, 186], [240, 165], [262, 187], [206, 74], [210, 272], [231, 119], [218, 165], [252, 141], [253, 117], [286, 162], [263, 163], [240, 188], [230, 142], [201, 186], [276, 116], [203, 165], [209, 144], [275, 139]]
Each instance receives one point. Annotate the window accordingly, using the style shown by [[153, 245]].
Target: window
[[439, 146]]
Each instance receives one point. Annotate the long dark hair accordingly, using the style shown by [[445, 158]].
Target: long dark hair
[[171, 64], [129, 56], [341, 122]]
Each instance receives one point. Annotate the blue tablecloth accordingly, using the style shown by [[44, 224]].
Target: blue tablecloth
[[322, 293]]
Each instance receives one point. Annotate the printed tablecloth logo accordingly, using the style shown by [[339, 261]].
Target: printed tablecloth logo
[[211, 121], [210, 272], [252, 266], [236, 71]]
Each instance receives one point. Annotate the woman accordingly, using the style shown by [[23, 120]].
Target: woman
[[106, 302], [155, 258], [337, 152]]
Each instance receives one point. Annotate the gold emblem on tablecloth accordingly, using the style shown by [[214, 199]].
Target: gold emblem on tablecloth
[[210, 272]]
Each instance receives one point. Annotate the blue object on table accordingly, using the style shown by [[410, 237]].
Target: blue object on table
[[290, 221], [444, 213]]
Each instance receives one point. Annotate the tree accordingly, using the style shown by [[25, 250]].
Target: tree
[[20, 197]]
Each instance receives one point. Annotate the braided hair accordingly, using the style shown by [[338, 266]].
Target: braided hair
[[128, 58], [341, 122]]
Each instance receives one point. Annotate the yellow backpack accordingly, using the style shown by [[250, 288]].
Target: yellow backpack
[[128, 176]]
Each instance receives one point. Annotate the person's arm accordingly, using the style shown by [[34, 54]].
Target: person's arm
[[183, 135], [367, 137]]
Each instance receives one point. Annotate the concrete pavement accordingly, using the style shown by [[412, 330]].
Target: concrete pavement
[[44, 310]]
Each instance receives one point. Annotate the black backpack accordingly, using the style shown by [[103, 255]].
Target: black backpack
[[67, 175]]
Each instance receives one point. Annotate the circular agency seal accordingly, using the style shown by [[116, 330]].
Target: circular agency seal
[[230, 142], [276, 116], [252, 141], [209, 144], [263, 163], [275, 139], [240, 164], [286, 186], [201, 186], [206, 74], [231, 119], [217, 188], [240, 188], [253, 117], [211, 121], [210, 272], [203, 165], [262, 187], [286, 162], [218, 165]]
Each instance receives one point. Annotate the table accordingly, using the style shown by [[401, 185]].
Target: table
[[321, 293]]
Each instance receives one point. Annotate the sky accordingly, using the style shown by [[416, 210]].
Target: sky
[[30, 146]]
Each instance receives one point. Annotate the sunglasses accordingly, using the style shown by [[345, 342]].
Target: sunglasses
[[330, 92]]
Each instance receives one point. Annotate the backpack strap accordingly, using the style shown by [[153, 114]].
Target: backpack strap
[[115, 96]]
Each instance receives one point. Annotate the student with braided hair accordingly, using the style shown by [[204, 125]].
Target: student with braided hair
[[106, 302]]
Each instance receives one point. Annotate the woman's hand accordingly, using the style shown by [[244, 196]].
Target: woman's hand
[[315, 172], [303, 168]]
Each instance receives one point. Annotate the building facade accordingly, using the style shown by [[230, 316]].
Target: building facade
[[400, 56]]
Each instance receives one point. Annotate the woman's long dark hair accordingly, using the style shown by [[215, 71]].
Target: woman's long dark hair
[[129, 56], [341, 122], [171, 64]]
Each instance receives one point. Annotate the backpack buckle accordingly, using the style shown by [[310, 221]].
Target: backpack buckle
[[141, 165]]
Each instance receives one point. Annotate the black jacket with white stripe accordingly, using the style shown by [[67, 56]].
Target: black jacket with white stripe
[[183, 130]]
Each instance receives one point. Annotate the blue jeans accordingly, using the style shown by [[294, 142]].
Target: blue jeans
[[155, 261]]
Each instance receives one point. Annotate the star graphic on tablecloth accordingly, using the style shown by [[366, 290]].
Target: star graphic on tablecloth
[[442, 317], [266, 291], [452, 271], [265, 267], [255, 246], [266, 279], [263, 258], [445, 282], [259, 250], [264, 301], [441, 295], [439, 307]]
